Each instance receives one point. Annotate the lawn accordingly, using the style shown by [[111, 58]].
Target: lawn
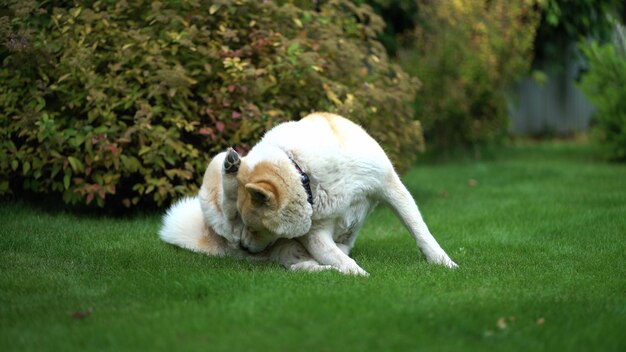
[[539, 232]]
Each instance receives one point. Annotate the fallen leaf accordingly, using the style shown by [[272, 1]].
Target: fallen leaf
[[472, 183], [80, 315], [501, 323], [541, 321]]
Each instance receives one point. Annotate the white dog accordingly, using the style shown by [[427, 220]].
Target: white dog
[[316, 180], [209, 223]]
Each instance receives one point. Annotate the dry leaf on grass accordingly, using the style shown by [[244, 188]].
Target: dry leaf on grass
[[501, 323], [80, 315]]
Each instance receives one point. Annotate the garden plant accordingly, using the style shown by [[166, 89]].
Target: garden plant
[[124, 103]]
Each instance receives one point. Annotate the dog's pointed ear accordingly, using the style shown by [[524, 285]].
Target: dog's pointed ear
[[261, 193]]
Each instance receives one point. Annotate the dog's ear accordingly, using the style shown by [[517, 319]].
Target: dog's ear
[[261, 193]]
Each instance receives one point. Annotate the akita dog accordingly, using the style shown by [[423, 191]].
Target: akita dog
[[209, 222], [315, 180]]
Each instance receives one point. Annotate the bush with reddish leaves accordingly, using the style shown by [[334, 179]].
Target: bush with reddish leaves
[[114, 103]]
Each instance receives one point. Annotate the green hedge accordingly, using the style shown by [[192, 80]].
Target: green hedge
[[124, 102], [605, 85]]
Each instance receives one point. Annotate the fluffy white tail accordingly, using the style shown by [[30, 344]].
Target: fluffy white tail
[[184, 226]]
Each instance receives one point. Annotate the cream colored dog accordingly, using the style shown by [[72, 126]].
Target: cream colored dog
[[209, 223], [316, 180]]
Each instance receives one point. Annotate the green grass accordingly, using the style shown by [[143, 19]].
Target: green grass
[[540, 240]]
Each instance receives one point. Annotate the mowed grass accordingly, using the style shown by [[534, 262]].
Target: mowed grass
[[539, 232]]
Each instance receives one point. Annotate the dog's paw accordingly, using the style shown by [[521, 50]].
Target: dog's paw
[[353, 270], [310, 266], [231, 162], [445, 261]]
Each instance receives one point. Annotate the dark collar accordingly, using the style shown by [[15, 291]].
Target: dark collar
[[306, 182]]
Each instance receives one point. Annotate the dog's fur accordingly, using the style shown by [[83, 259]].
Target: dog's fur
[[349, 174], [209, 222]]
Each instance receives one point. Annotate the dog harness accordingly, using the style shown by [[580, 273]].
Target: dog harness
[[306, 182]]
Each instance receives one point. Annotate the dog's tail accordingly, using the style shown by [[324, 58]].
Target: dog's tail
[[184, 226]]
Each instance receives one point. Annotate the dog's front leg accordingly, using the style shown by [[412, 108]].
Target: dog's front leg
[[320, 244], [293, 256]]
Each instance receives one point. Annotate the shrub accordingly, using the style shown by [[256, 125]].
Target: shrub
[[468, 53], [125, 102], [603, 84], [400, 18]]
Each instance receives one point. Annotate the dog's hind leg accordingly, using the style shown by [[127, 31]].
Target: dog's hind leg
[[230, 167], [401, 201]]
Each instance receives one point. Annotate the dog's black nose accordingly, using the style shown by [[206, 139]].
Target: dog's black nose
[[243, 247]]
